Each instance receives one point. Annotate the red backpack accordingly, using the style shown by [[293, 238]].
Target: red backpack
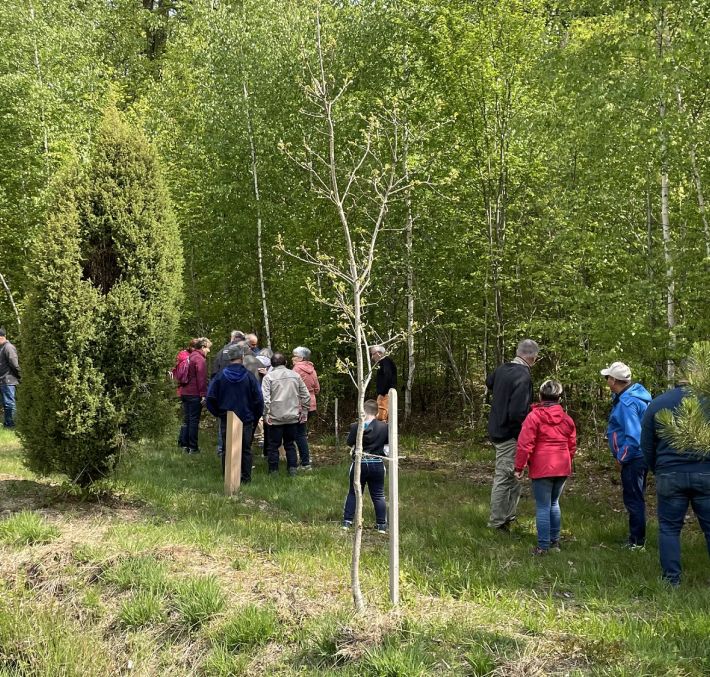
[[181, 371]]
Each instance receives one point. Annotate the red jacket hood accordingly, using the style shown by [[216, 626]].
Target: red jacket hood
[[305, 366], [551, 414]]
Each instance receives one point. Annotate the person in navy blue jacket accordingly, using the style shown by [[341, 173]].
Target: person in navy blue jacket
[[682, 479], [628, 404], [236, 389]]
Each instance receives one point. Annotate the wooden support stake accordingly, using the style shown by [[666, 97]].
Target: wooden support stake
[[337, 437], [394, 497], [233, 458]]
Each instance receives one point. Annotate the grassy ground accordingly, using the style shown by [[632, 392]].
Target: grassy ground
[[157, 573]]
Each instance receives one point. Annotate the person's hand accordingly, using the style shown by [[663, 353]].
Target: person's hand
[[268, 420], [518, 474], [302, 417], [203, 401], [618, 465]]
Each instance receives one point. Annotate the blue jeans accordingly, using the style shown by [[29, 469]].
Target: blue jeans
[[8, 404], [548, 517], [191, 410], [247, 438], [278, 434], [372, 474], [302, 442], [675, 491], [633, 483]]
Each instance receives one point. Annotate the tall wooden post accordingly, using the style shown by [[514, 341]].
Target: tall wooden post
[[394, 497], [233, 455]]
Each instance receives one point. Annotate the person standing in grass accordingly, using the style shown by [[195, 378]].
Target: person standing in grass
[[372, 468], [236, 389], [682, 479], [511, 385], [386, 380], [628, 404], [303, 366], [9, 378], [193, 394], [220, 362], [546, 445]]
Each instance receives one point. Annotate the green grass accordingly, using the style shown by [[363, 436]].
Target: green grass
[[26, 528], [260, 581]]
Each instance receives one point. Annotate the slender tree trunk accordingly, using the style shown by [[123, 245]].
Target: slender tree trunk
[[663, 42], [40, 79], [12, 300], [411, 363], [257, 201]]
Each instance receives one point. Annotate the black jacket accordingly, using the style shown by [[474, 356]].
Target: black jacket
[[386, 376], [9, 366], [222, 360], [374, 437], [511, 386]]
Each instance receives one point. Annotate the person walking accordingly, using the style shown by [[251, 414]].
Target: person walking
[[628, 404], [546, 445], [372, 468], [193, 394], [511, 386], [386, 379], [9, 379], [286, 403], [236, 389], [682, 479], [303, 366]]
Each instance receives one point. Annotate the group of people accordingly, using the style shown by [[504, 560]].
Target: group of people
[[542, 438]]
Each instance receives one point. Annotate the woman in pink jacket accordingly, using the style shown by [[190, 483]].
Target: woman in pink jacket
[[547, 443], [304, 368]]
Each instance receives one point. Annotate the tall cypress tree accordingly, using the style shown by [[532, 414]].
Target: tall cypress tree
[[102, 311]]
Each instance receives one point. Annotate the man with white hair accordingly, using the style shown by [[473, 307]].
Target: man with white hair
[[629, 402], [386, 379], [511, 385]]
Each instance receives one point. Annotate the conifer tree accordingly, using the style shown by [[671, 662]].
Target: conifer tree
[[689, 428], [102, 311]]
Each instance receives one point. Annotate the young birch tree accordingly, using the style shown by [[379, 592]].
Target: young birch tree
[[360, 175]]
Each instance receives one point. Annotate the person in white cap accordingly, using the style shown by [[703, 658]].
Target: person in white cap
[[629, 401]]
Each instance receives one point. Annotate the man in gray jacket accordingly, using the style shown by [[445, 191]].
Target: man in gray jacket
[[9, 378], [286, 402]]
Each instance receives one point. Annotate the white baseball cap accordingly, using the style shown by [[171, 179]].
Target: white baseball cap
[[617, 370]]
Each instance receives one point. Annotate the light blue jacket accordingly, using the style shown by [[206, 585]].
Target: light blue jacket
[[624, 430]]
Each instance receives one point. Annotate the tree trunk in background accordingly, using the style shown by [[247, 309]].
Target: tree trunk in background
[[411, 362]]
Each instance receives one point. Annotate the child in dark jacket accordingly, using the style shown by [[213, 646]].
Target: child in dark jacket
[[372, 469], [547, 444]]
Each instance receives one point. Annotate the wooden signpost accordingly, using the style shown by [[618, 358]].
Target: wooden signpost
[[233, 455], [394, 497]]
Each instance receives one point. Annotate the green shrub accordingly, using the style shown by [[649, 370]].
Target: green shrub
[[198, 599], [252, 626], [144, 608], [100, 317], [27, 528]]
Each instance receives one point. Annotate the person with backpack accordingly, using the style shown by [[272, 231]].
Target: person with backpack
[[193, 391], [546, 445]]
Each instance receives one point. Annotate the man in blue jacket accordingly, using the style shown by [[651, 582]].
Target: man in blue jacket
[[682, 478], [628, 404], [236, 389]]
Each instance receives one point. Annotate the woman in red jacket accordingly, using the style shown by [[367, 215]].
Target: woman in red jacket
[[546, 445], [193, 394]]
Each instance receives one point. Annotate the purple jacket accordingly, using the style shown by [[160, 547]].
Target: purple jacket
[[197, 376]]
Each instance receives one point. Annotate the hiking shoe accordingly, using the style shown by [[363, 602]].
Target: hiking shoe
[[555, 545], [186, 450], [629, 545], [381, 528], [307, 468], [292, 472], [537, 551], [346, 524]]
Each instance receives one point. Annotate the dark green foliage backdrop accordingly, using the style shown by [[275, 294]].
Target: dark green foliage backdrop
[[539, 135]]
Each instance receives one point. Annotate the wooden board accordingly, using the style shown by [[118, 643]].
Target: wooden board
[[233, 458]]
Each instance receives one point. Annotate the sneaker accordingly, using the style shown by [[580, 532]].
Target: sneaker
[[194, 451], [186, 450], [381, 528], [555, 545], [537, 551], [307, 468], [346, 524], [629, 545], [292, 472]]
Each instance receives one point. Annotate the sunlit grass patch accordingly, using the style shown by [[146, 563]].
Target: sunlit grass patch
[[145, 607], [27, 528], [197, 600], [248, 627], [143, 572]]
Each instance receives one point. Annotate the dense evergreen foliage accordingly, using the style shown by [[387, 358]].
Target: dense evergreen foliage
[[557, 157], [101, 313]]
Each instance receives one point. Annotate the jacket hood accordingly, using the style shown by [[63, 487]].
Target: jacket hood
[[551, 414], [638, 391], [235, 373], [306, 366]]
